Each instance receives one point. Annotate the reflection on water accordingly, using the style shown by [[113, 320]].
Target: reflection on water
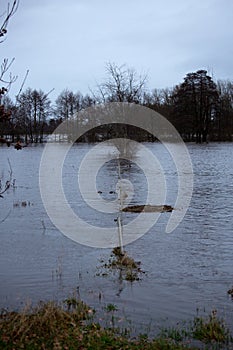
[[187, 269]]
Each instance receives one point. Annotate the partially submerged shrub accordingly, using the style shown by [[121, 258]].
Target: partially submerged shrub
[[129, 268]]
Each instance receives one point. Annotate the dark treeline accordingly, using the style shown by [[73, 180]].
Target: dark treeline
[[199, 108]]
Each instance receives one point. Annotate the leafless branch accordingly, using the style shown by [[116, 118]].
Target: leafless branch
[[8, 182], [100, 91], [5, 217], [11, 9], [6, 64], [22, 85], [122, 85], [4, 68]]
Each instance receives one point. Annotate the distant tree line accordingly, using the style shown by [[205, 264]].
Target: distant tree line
[[200, 108]]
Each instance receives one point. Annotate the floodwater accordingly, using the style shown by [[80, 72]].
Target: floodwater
[[187, 270]]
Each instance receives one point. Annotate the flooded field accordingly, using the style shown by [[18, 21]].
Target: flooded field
[[186, 270]]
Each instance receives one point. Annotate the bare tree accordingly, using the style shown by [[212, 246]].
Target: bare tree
[[33, 110], [123, 84], [68, 104], [224, 118], [6, 63], [6, 82]]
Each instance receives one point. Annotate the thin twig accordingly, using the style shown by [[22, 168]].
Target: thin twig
[[8, 182], [5, 217], [22, 85], [10, 12]]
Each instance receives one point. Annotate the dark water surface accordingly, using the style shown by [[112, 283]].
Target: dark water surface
[[187, 269]]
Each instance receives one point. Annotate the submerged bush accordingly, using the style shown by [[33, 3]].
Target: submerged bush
[[119, 260]]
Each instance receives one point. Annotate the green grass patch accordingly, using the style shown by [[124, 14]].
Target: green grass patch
[[211, 329]]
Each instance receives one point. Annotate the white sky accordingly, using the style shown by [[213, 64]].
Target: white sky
[[66, 44]]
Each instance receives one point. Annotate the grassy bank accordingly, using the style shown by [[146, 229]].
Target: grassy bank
[[72, 325]]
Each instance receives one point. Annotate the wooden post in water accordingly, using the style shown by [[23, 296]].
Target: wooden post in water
[[119, 218]]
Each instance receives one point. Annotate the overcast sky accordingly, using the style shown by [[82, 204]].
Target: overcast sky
[[66, 44]]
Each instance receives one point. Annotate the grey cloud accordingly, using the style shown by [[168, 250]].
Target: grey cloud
[[66, 44]]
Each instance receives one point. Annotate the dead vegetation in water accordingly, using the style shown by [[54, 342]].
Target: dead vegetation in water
[[230, 292], [22, 204], [148, 208], [9, 183], [119, 260]]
